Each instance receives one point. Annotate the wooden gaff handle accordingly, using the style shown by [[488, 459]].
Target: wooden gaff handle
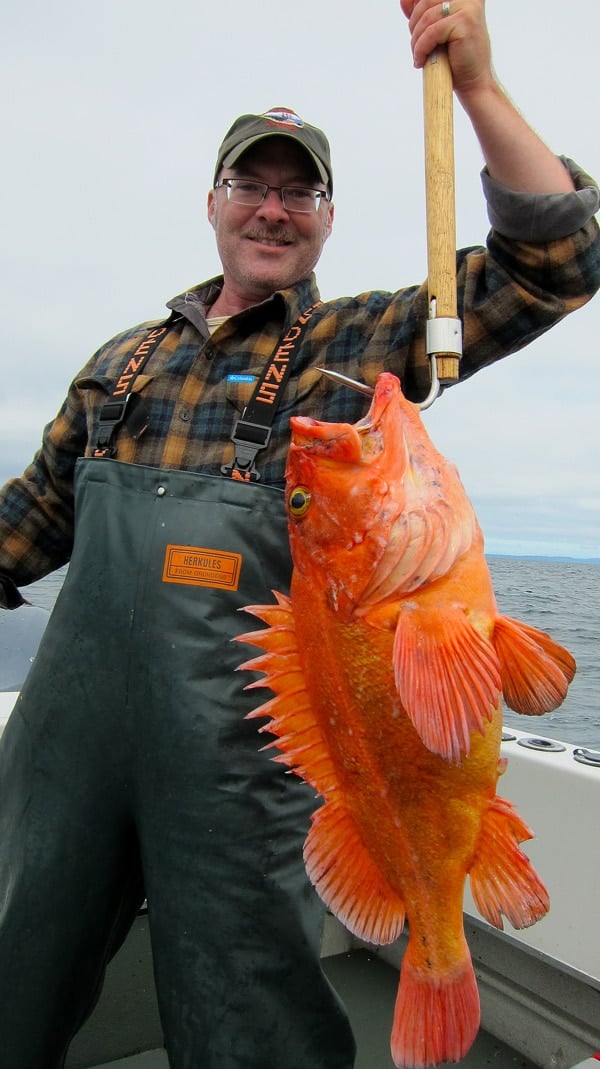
[[438, 102]]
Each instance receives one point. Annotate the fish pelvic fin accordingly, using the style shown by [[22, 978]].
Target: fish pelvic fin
[[447, 676], [347, 879], [503, 880], [535, 670], [436, 1018]]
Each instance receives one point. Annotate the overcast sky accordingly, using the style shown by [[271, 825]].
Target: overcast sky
[[112, 114]]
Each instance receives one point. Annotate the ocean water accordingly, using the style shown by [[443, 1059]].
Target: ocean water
[[560, 597]]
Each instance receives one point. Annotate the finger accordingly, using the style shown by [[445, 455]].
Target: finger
[[407, 7], [431, 24], [424, 12]]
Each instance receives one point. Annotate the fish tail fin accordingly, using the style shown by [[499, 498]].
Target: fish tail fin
[[534, 669], [348, 880], [503, 880], [436, 1019]]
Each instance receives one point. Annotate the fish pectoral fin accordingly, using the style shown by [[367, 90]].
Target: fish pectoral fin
[[535, 670], [348, 880], [447, 676], [503, 880]]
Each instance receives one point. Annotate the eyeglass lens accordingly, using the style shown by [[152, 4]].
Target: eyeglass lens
[[294, 198]]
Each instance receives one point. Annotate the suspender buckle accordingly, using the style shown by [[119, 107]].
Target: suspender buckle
[[114, 412], [112, 415], [248, 439], [248, 435]]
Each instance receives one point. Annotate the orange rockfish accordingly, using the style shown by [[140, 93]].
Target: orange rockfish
[[388, 662]]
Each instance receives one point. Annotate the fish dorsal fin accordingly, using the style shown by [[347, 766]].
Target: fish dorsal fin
[[342, 871], [299, 738], [535, 670], [447, 677]]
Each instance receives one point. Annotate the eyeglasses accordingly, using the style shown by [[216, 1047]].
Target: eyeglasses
[[294, 198]]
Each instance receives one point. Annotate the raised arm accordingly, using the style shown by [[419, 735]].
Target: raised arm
[[514, 154]]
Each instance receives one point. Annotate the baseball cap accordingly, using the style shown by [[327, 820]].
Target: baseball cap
[[247, 130]]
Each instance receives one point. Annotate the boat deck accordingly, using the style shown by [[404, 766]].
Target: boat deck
[[355, 974]]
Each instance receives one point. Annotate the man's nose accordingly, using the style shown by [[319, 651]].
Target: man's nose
[[272, 206]]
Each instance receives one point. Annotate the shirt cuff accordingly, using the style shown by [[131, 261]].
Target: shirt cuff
[[541, 217], [10, 597]]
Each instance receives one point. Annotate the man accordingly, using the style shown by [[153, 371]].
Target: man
[[127, 768]]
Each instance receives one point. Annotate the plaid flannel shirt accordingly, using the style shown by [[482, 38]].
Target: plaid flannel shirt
[[509, 293]]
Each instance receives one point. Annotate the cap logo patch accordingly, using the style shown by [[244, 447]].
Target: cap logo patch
[[283, 117]]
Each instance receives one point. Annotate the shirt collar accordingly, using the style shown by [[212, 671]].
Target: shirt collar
[[194, 303]]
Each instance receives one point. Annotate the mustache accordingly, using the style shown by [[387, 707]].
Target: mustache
[[274, 233]]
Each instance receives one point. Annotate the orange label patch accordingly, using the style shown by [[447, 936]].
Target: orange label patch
[[197, 566]]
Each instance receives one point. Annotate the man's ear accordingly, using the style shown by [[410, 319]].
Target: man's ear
[[211, 207], [329, 224]]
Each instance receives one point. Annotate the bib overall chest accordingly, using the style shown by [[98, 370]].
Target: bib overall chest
[[128, 770]]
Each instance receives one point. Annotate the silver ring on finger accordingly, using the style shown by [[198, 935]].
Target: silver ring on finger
[[445, 9]]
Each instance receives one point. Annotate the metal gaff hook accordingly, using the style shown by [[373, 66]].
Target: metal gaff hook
[[345, 380], [368, 391], [434, 389]]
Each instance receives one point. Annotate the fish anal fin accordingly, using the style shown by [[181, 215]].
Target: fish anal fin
[[503, 880], [447, 677], [535, 670], [435, 1019], [348, 880]]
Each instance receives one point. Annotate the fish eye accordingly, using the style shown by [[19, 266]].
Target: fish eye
[[299, 501]]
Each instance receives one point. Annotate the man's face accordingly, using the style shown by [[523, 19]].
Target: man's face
[[266, 248]]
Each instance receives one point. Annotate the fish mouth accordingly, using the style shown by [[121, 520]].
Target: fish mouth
[[372, 422], [347, 443], [337, 442], [353, 443], [387, 391]]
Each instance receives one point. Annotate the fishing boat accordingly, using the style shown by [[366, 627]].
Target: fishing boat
[[539, 988]]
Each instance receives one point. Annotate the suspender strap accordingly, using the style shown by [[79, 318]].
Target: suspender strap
[[252, 431], [114, 411]]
